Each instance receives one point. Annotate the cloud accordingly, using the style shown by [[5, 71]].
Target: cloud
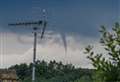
[[50, 48]]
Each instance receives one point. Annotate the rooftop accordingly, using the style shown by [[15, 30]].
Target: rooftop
[[8, 74]]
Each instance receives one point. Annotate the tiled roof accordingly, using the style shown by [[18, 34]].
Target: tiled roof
[[8, 74]]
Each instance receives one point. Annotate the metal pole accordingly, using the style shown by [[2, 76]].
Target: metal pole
[[34, 53], [40, 22]]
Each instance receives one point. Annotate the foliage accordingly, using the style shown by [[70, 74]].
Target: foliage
[[107, 65], [51, 72], [84, 79]]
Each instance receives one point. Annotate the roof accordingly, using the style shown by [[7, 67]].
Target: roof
[[8, 74]]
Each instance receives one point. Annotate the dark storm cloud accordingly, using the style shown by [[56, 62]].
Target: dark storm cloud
[[67, 16]]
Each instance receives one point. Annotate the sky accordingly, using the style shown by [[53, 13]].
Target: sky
[[71, 23]]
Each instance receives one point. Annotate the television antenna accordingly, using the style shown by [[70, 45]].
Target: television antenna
[[35, 26]]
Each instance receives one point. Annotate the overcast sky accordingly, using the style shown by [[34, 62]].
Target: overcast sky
[[76, 22]]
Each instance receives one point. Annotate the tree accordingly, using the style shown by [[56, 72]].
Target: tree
[[22, 70], [107, 67]]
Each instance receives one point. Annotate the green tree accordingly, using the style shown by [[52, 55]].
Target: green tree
[[107, 65], [51, 72]]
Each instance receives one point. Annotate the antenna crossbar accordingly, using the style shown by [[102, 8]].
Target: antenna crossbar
[[40, 22]]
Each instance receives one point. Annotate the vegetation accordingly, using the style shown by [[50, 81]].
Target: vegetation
[[52, 72], [107, 65]]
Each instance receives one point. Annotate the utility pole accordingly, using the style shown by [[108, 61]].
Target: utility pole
[[34, 53], [41, 22]]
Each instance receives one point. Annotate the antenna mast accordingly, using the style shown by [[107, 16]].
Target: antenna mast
[[42, 23]]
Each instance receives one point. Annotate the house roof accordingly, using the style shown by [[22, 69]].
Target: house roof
[[8, 74]]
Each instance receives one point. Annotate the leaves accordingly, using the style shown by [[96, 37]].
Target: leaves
[[107, 67], [51, 72]]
